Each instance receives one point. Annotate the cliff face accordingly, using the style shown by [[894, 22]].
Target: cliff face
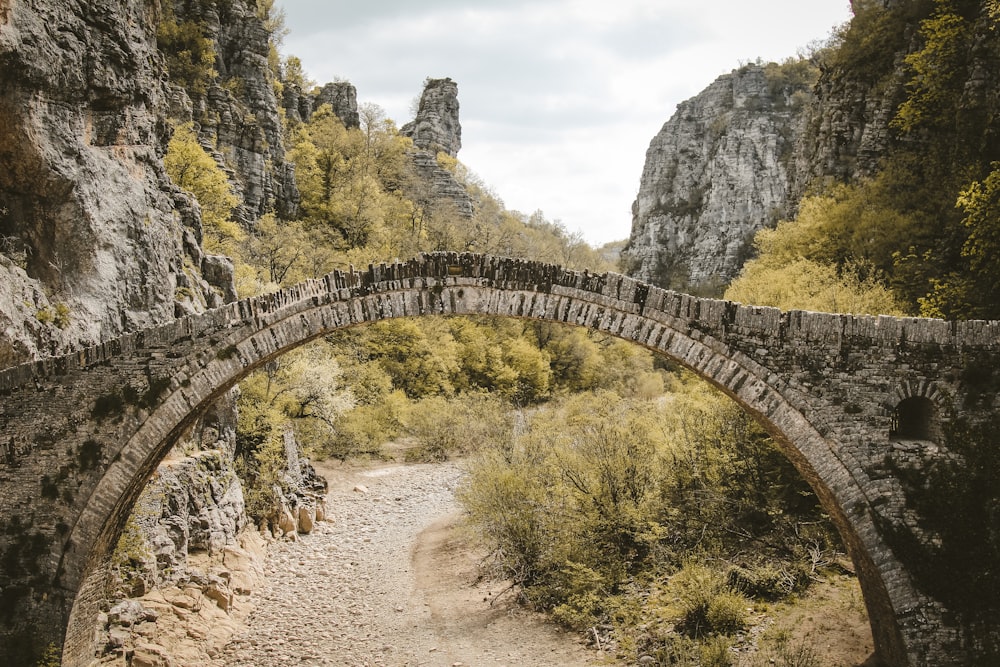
[[94, 238], [237, 112], [718, 171], [701, 198]]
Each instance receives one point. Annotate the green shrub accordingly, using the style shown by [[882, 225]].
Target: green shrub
[[703, 602], [716, 653], [768, 581], [444, 428], [727, 613], [51, 657]]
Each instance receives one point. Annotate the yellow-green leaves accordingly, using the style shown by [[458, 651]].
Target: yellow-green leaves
[[194, 170]]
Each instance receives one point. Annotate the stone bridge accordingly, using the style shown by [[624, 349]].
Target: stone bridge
[[890, 420]]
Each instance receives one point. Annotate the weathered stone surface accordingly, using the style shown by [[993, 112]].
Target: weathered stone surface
[[343, 99], [237, 115], [436, 127], [445, 193], [826, 385], [715, 174], [86, 211]]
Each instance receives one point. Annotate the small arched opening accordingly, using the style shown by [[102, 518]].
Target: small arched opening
[[915, 418]]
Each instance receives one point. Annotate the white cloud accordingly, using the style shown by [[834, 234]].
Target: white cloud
[[559, 98]]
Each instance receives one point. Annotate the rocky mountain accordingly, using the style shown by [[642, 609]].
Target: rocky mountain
[[741, 154], [231, 98], [719, 170]]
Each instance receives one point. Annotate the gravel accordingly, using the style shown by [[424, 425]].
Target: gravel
[[344, 594]]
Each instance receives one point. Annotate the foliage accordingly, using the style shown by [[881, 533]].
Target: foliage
[[194, 170], [448, 427], [302, 392], [599, 502], [51, 657], [894, 240], [939, 72], [349, 178], [701, 603], [190, 54], [807, 285]]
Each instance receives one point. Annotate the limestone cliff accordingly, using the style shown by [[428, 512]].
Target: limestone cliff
[[720, 169], [717, 172], [235, 105], [94, 239]]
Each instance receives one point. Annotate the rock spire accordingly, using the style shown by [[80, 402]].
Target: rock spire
[[436, 127]]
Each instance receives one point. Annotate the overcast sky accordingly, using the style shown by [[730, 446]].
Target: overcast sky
[[559, 98]]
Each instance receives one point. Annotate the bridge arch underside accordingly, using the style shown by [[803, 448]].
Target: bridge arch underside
[[205, 376]]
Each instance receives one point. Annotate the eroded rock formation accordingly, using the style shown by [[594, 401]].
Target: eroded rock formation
[[91, 237], [436, 129], [717, 172]]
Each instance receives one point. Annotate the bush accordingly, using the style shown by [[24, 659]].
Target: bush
[[363, 430], [445, 428], [727, 613], [768, 581], [715, 653], [703, 602]]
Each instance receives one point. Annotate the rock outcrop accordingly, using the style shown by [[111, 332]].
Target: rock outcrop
[[237, 112], [437, 129], [342, 97], [91, 241], [189, 560], [717, 172]]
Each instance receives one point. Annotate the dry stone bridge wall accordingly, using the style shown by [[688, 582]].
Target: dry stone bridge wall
[[862, 406]]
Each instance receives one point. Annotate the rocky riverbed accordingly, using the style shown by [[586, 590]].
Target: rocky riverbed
[[389, 579]]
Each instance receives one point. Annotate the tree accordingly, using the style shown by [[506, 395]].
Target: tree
[[189, 53], [194, 170]]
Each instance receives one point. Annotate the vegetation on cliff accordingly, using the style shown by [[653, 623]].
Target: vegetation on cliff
[[923, 224]]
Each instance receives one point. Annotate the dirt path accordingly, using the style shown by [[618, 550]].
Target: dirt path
[[389, 581]]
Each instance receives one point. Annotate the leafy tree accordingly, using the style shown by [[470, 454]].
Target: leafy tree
[[972, 293], [417, 366], [939, 74], [348, 178], [190, 54], [194, 170]]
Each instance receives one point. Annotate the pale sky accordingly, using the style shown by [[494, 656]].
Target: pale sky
[[559, 98]]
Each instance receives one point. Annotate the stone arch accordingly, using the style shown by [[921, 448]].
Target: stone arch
[[284, 323], [916, 414]]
